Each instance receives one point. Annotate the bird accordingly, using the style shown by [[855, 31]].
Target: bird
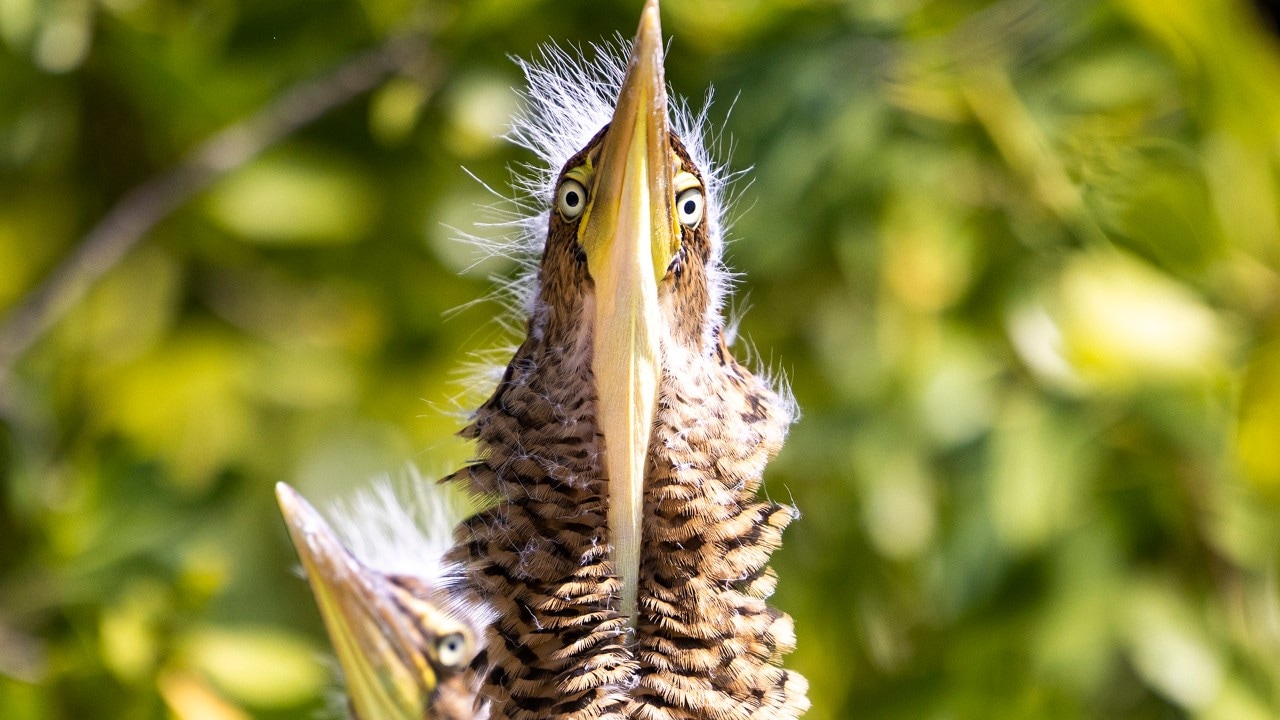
[[403, 646], [621, 560]]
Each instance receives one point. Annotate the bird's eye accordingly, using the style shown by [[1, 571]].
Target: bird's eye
[[571, 199], [451, 649], [689, 205]]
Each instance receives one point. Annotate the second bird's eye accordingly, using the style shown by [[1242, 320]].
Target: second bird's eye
[[452, 650], [571, 199], [689, 206]]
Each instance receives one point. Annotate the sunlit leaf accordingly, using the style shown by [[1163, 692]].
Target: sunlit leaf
[[395, 108], [294, 198], [1123, 324], [129, 632], [1258, 432], [1169, 646], [261, 667], [185, 402], [190, 698], [1040, 473]]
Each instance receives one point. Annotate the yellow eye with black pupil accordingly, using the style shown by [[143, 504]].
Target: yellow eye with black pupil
[[452, 650], [571, 199], [689, 206]]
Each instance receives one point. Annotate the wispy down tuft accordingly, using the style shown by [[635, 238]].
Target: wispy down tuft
[[402, 528]]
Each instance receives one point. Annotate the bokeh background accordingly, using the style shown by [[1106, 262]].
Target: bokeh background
[[1018, 259]]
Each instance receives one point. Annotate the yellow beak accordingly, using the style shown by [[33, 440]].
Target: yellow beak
[[630, 235], [378, 645]]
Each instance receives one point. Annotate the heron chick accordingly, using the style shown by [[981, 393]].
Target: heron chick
[[403, 643], [625, 556]]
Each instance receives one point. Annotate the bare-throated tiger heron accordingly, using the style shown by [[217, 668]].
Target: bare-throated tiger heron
[[624, 560], [403, 645]]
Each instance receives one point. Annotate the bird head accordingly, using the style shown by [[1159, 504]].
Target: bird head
[[402, 647]]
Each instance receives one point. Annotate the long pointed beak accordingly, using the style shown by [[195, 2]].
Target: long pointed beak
[[630, 237], [378, 645]]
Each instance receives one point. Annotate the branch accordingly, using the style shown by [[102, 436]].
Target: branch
[[128, 222]]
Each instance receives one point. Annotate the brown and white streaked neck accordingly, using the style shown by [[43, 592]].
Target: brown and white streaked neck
[[625, 557]]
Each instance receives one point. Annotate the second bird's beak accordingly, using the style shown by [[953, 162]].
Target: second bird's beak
[[630, 236], [379, 644]]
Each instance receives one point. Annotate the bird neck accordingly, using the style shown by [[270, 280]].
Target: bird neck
[[541, 555]]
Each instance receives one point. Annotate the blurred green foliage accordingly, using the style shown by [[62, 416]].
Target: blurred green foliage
[[1018, 259]]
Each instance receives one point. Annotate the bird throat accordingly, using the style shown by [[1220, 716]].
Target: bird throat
[[625, 415]]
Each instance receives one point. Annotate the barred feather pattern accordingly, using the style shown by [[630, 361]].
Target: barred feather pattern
[[706, 645], [540, 555]]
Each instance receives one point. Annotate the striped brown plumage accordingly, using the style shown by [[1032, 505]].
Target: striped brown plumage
[[706, 644]]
